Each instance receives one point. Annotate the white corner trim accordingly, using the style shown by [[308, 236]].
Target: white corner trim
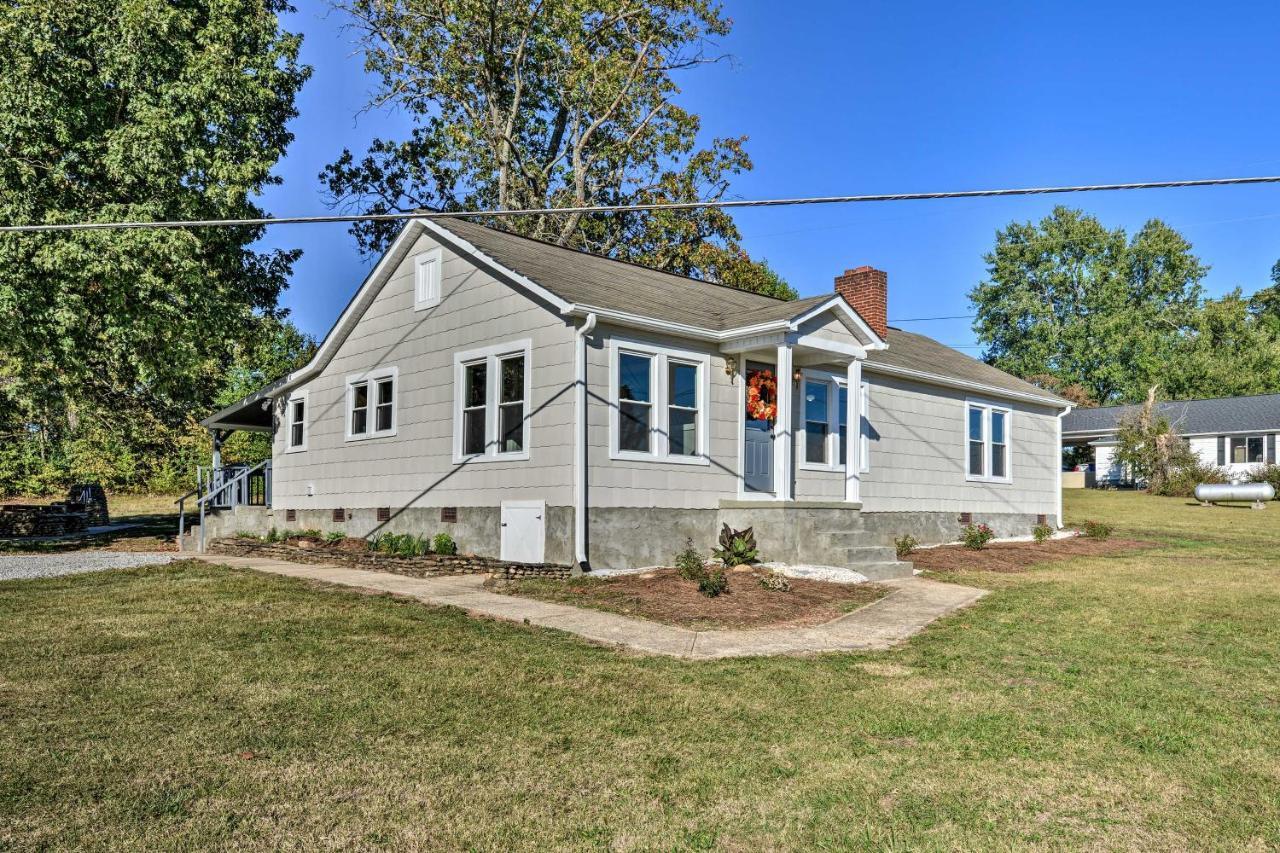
[[303, 397], [491, 356], [659, 426], [428, 265], [371, 377]]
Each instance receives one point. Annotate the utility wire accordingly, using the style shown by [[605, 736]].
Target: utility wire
[[926, 319], [637, 208]]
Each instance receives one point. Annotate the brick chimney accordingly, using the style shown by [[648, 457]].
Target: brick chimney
[[867, 290]]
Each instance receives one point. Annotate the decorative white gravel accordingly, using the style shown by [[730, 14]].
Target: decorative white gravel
[[26, 566]]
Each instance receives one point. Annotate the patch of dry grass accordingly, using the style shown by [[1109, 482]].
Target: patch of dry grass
[[1117, 702]]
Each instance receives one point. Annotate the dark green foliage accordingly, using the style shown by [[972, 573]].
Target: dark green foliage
[[1096, 530], [905, 545], [1041, 533], [713, 582], [442, 543], [334, 536], [1182, 481], [274, 535], [689, 562], [111, 340], [737, 547], [400, 545], [976, 536]]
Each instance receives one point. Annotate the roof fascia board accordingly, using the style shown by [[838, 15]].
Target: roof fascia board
[[951, 382]]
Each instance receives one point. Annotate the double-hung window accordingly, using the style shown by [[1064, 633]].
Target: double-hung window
[[825, 409], [296, 422], [987, 444], [658, 403], [371, 404], [491, 410], [426, 279]]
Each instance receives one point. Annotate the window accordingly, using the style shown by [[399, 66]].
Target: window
[[296, 421], [987, 443], [817, 424], [1247, 449], [826, 423], [491, 393], [426, 280], [658, 407], [682, 408], [635, 403], [371, 404]]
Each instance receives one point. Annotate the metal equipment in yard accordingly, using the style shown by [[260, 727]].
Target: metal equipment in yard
[[1211, 493]]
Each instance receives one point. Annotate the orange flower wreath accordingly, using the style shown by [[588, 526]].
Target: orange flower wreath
[[762, 395]]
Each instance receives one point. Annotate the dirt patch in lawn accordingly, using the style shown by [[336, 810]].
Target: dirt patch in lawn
[[663, 596], [1018, 556]]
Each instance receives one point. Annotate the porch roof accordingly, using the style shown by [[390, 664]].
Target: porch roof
[[252, 414]]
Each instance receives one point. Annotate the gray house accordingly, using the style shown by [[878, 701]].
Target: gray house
[[1236, 434], [545, 404]]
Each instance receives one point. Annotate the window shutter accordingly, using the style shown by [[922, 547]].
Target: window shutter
[[1271, 448], [1222, 450]]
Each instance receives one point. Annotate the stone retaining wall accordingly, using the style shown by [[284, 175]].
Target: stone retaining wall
[[31, 520], [431, 565]]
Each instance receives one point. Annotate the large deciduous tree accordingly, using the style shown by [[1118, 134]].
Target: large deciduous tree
[[1071, 299], [134, 110], [550, 103]]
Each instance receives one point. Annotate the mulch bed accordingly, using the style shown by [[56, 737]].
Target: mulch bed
[[663, 596], [1009, 557]]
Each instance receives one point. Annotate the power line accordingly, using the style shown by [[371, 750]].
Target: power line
[[638, 208], [926, 319]]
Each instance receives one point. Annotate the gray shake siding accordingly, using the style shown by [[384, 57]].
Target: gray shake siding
[[917, 447], [415, 466]]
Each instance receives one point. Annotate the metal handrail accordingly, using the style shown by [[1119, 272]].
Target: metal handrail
[[212, 493]]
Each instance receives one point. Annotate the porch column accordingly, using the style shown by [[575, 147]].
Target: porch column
[[783, 448], [218, 436], [853, 434]]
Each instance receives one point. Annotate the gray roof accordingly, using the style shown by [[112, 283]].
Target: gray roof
[[1189, 417], [910, 351], [587, 279]]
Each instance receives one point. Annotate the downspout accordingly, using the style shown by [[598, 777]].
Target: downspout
[[580, 460], [1062, 415]]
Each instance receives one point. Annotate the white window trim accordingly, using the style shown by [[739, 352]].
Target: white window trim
[[288, 421], [492, 356], [429, 263], [834, 463], [371, 377], [987, 407], [659, 395]]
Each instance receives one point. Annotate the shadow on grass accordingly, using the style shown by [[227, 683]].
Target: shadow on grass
[[148, 532]]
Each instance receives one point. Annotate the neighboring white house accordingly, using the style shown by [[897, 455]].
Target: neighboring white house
[[541, 403], [1236, 434]]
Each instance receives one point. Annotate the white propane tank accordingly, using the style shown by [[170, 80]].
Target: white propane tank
[[1215, 492]]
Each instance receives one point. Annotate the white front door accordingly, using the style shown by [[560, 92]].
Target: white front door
[[524, 531]]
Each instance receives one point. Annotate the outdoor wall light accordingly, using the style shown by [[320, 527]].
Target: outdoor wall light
[[730, 365], [796, 376]]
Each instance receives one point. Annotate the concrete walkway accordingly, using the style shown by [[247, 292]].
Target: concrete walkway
[[913, 604]]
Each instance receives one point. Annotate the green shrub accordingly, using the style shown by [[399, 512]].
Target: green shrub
[[976, 536], [1041, 532], [1266, 474], [1182, 481], [689, 563], [713, 583], [333, 537], [905, 545], [1096, 530], [442, 543], [274, 535], [775, 582], [400, 545], [245, 534], [737, 547], [310, 533]]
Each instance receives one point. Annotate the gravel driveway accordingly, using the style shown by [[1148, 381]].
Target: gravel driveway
[[28, 566]]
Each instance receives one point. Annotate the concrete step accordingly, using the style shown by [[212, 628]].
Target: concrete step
[[885, 570]]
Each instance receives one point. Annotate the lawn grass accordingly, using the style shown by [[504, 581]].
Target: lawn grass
[[1125, 701]]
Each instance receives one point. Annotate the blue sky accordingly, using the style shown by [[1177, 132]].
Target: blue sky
[[849, 98]]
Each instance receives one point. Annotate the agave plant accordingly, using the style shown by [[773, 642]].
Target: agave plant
[[737, 547]]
